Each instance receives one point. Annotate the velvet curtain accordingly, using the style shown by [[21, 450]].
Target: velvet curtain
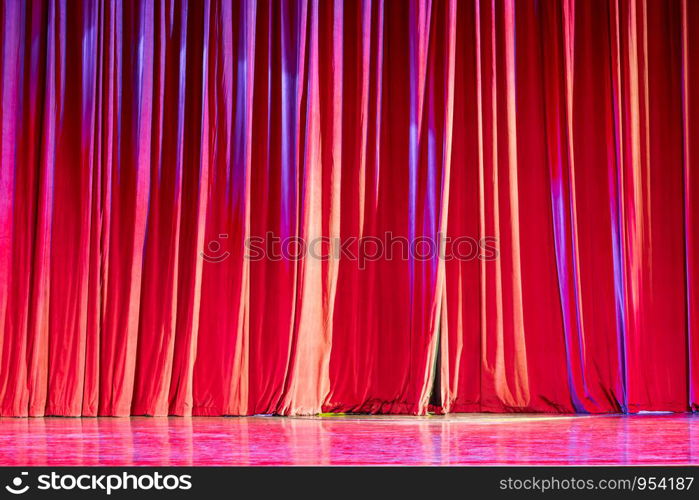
[[146, 143]]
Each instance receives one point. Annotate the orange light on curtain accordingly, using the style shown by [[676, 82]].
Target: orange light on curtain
[[149, 146]]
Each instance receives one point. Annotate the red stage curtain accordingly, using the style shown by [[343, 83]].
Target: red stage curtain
[[147, 143]]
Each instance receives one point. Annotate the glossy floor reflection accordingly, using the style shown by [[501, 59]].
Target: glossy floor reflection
[[352, 440]]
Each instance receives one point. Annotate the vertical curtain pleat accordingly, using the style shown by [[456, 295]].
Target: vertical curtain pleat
[[234, 207]]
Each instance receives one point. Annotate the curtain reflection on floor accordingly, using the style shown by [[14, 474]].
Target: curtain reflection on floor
[[468, 439]]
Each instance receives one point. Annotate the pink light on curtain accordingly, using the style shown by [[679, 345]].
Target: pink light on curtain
[[155, 154]]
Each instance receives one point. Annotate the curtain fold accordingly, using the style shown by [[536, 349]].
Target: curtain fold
[[235, 207]]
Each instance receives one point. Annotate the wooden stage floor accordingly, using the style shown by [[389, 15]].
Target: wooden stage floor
[[475, 439]]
